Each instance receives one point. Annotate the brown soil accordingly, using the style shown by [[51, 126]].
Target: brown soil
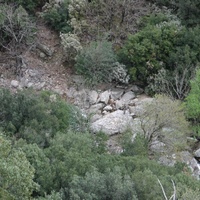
[[51, 68]]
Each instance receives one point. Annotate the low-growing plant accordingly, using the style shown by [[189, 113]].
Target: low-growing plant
[[71, 45], [95, 62]]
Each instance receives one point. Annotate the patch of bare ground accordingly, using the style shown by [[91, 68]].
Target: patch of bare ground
[[50, 69], [52, 65]]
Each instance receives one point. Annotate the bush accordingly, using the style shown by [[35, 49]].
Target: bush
[[147, 51], [16, 28], [134, 147], [175, 84], [95, 62], [110, 185], [192, 104], [19, 116], [163, 54], [187, 10], [29, 5], [71, 45], [57, 17]]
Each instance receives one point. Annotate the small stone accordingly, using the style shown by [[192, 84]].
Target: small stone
[[42, 55], [14, 83], [108, 108]]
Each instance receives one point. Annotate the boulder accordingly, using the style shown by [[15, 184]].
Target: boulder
[[127, 97], [113, 123], [197, 153], [93, 95], [116, 93], [104, 97], [96, 108], [119, 104]]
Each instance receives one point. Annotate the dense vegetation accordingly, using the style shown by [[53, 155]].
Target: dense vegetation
[[47, 152], [46, 149]]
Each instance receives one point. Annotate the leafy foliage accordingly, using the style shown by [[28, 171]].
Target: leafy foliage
[[30, 5], [187, 10], [18, 116], [163, 55], [95, 62], [163, 119], [192, 103], [16, 172], [110, 185], [58, 17]]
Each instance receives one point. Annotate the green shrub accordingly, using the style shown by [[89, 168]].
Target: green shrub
[[192, 104], [187, 10], [35, 117], [95, 62], [147, 51], [29, 5], [109, 185], [163, 54], [138, 147], [57, 17]]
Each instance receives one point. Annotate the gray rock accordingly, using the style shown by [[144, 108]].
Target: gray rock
[[95, 117], [14, 83], [116, 93], [30, 84], [104, 97], [46, 50], [167, 161], [158, 147], [185, 157], [42, 55], [81, 99], [108, 108], [127, 97], [197, 153], [135, 89], [113, 123], [71, 92], [96, 108], [119, 104], [195, 167], [93, 95]]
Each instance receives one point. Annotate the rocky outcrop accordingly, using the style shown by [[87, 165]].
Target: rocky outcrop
[[113, 123], [112, 111]]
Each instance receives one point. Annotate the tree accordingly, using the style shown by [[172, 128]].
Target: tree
[[16, 32], [16, 173], [43, 173], [163, 120], [109, 185], [192, 104]]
